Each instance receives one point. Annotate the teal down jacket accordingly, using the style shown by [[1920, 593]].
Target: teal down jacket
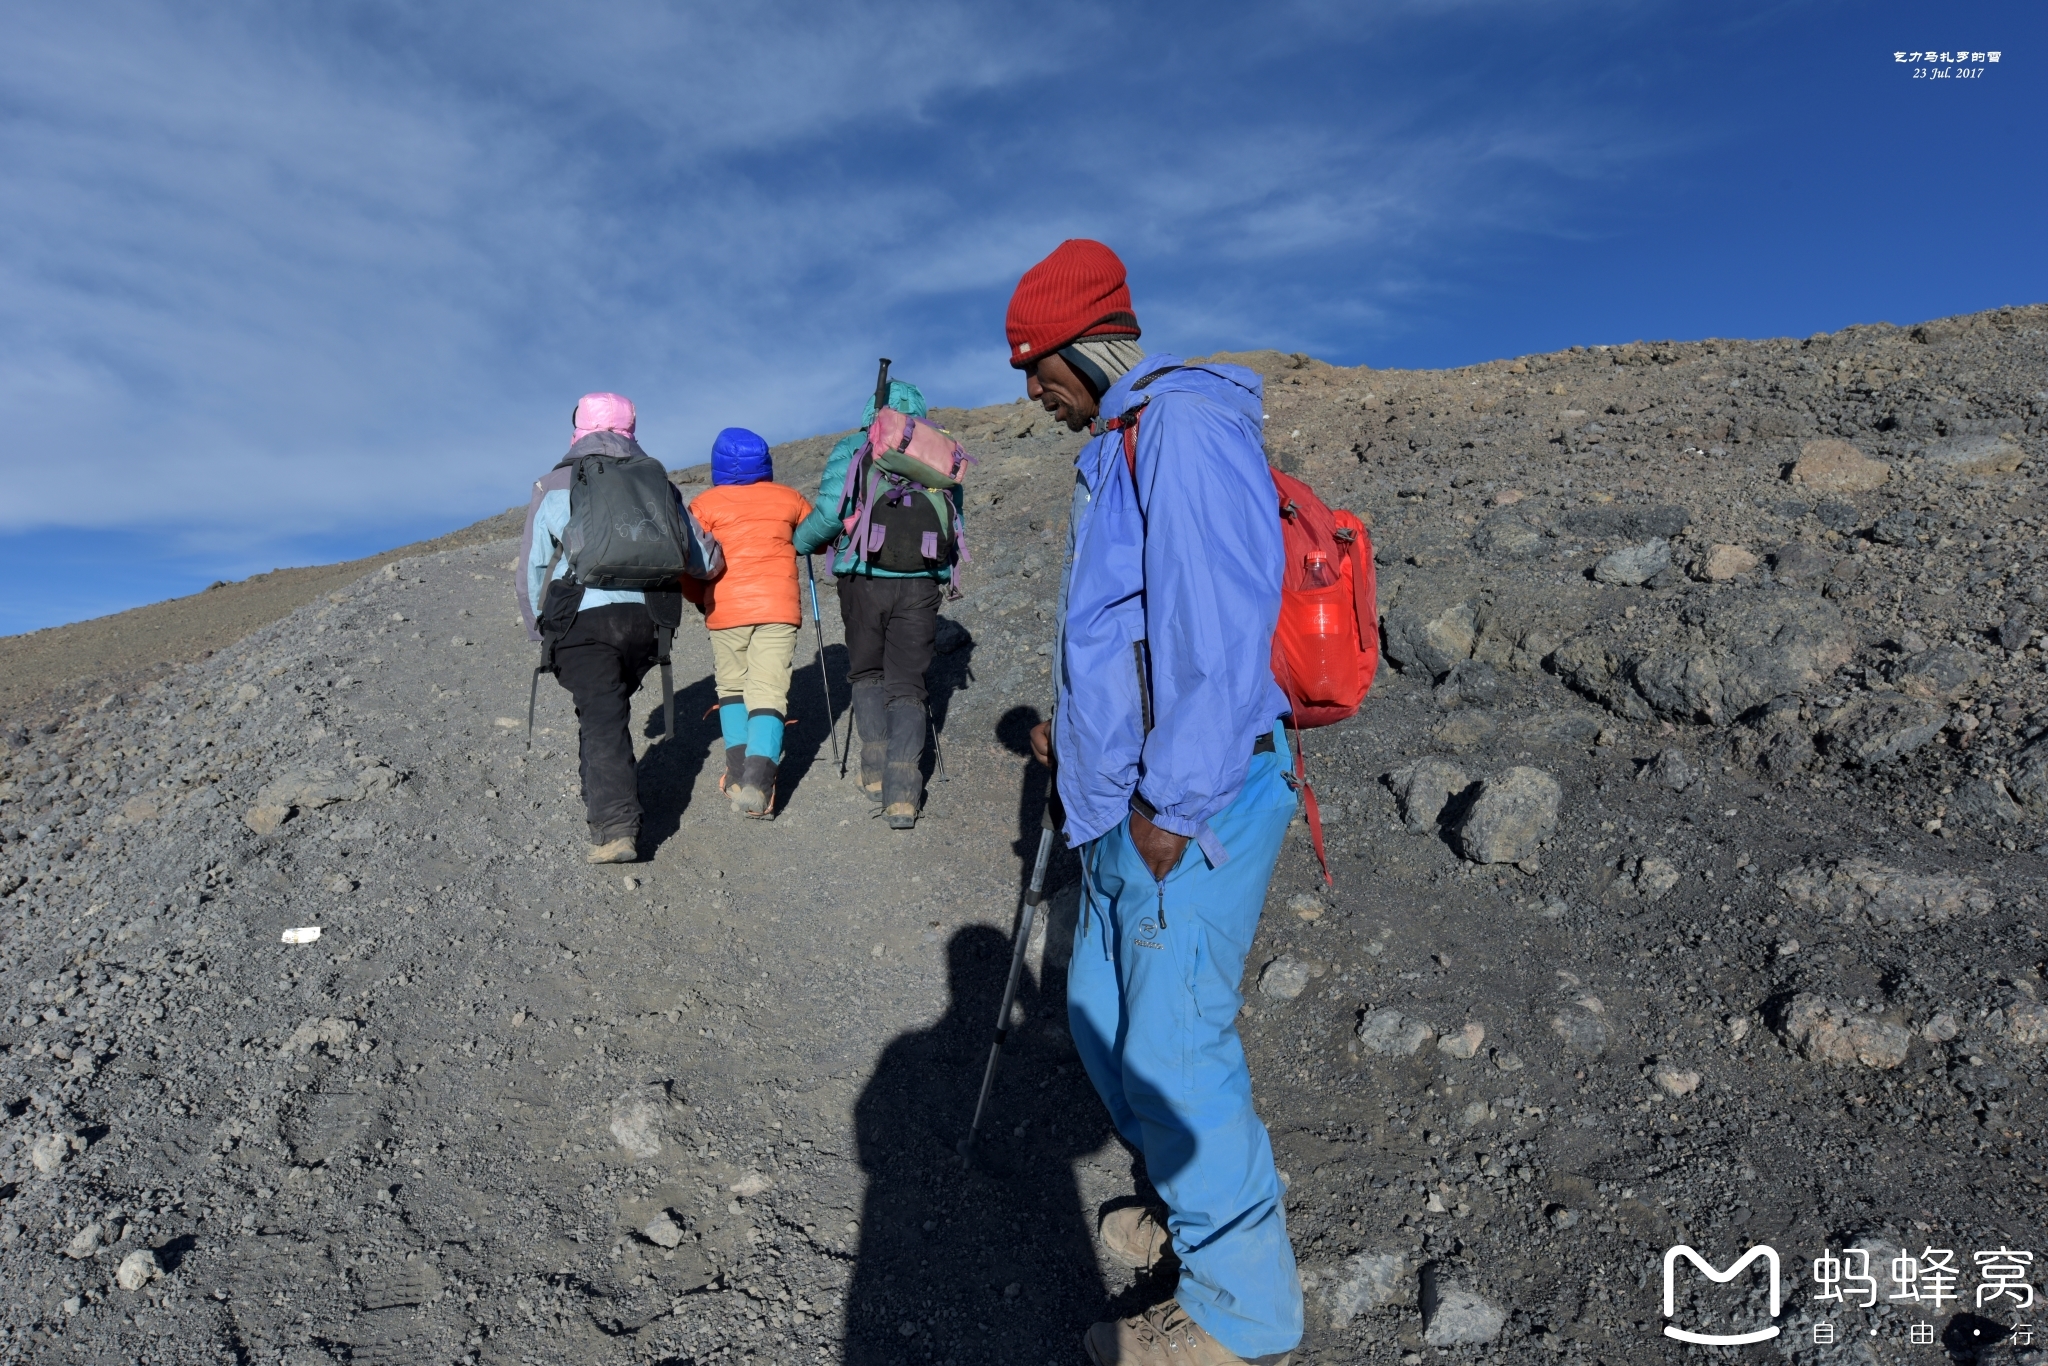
[[826, 524]]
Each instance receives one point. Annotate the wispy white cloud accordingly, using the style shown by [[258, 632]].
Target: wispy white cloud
[[298, 266]]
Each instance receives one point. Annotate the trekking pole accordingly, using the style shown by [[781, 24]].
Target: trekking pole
[[1034, 897], [831, 721]]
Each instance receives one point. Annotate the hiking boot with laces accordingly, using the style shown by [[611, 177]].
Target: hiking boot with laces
[[1164, 1336], [621, 850], [1135, 1237]]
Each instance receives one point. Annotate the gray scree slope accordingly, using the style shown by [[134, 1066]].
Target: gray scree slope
[[1759, 961]]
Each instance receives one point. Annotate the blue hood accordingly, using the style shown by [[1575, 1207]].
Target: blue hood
[[738, 456]]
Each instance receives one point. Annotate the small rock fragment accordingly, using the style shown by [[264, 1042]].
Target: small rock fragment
[[1634, 565], [266, 820], [1725, 562], [636, 1124], [1515, 811], [1582, 1031], [1674, 1081], [1837, 467], [1364, 1282], [303, 934], [145, 807], [2026, 1023], [1464, 1041], [1655, 877], [1940, 1028], [1461, 1316], [1672, 770], [48, 1152], [1283, 979], [332, 1032], [85, 1244], [751, 1185], [1391, 1034], [137, 1269], [662, 1231], [1306, 905]]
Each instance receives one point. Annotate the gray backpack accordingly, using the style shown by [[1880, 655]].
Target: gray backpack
[[627, 527]]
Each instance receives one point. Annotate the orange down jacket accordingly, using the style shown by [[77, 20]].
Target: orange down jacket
[[753, 523]]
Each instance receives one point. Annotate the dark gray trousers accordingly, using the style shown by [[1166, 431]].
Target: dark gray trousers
[[890, 627], [601, 661]]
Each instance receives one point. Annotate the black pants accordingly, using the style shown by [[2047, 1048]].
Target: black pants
[[601, 662], [890, 626]]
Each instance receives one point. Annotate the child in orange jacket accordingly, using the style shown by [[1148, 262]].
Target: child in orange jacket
[[751, 611]]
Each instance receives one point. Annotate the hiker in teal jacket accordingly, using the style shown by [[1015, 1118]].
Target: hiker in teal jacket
[[891, 620]]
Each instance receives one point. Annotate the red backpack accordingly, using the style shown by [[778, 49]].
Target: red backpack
[[1326, 646]]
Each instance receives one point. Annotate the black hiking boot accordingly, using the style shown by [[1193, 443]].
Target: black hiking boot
[[754, 794], [735, 767], [871, 715], [901, 781]]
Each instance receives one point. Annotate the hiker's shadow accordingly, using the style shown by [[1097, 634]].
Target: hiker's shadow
[[669, 768], [1013, 732], [994, 1262], [952, 668]]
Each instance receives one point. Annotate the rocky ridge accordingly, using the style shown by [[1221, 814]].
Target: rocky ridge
[[1687, 890]]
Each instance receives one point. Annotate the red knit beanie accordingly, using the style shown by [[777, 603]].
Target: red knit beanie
[[1078, 291]]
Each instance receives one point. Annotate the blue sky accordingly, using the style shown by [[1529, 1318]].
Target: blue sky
[[291, 282]]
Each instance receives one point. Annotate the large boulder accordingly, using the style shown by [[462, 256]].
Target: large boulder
[[1736, 652], [1855, 888], [1872, 730], [1633, 565], [2029, 780], [1944, 672], [1432, 643], [1513, 813], [1974, 455], [1833, 466], [1821, 1029], [1424, 788]]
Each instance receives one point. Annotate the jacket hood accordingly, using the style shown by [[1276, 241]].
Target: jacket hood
[[601, 443], [738, 456], [1233, 386], [903, 397], [603, 412]]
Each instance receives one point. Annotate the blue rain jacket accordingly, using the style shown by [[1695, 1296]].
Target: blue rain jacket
[[1187, 561]]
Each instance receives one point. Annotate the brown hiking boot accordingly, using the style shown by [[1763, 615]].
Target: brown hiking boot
[[1135, 1237], [620, 850], [1164, 1336]]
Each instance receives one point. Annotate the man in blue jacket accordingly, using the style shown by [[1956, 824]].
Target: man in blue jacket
[[1172, 769]]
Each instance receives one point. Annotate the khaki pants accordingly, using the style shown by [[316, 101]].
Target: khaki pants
[[752, 663]]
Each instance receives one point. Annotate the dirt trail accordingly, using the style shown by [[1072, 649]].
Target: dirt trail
[[1772, 975]]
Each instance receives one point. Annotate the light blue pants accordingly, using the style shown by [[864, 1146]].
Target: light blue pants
[[1153, 1009]]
